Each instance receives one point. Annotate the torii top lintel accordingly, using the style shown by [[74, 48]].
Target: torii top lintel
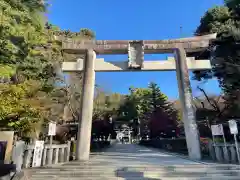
[[191, 44]]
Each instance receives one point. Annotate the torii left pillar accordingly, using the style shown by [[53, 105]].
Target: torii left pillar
[[85, 122]]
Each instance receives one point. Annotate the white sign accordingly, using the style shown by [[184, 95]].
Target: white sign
[[233, 127], [37, 155], [217, 130], [52, 129]]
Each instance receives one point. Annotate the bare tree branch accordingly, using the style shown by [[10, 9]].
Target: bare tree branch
[[214, 105]]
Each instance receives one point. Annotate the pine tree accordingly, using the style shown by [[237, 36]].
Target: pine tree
[[158, 99], [163, 116]]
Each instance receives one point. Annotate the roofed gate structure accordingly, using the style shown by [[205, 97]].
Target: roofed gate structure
[[181, 48]]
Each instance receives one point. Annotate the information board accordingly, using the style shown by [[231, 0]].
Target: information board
[[52, 129], [217, 130], [37, 155], [233, 127]]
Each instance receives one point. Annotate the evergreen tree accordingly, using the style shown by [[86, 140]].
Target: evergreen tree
[[151, 107], [163, 116], [224, 20], [158, 99]]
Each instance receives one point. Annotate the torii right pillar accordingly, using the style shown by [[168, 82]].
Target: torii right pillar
[[186, 99]]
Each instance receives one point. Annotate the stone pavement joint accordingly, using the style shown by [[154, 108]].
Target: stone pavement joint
[[134, 162]]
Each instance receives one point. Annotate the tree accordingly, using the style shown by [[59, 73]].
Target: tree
[[73, 80], [225, 21], [150, 106], [163, 116], [135, 105], [26, 70], [30, 59], [158, 99], [106, 104]]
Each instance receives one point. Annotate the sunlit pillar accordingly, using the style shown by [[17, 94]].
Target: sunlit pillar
[[188, 115], [85, 122]]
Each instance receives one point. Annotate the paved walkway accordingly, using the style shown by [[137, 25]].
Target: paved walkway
[[133, 162], [135, 155]]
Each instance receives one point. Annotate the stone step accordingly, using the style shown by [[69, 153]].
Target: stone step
[[136, 178], [86, 178], [146, 169], [133, 174], [76, 163], [99, 164], [121, 173], [70, 171]]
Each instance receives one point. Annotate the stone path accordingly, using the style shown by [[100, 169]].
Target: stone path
[[133, 162]]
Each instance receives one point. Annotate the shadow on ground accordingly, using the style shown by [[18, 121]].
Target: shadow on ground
[[129, 175], [132, 162], [174, 172], [136, 155]]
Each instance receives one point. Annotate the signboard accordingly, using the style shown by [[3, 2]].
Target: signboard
[[233, 127], [52, 129], [217, 130], [3, 147], [37, 155], [17, 154], [7, 136]]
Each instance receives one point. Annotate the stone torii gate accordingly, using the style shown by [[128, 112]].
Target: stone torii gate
[[136, 50]]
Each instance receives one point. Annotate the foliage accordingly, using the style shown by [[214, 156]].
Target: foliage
[[30, 60], [150, 106], [13, 105], [163, 115], [225, 21], [106, 104], [135, 105], [22, 28], [82, 34], [73, 81]]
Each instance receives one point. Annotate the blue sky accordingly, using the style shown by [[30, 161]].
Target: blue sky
[[132, 19]]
